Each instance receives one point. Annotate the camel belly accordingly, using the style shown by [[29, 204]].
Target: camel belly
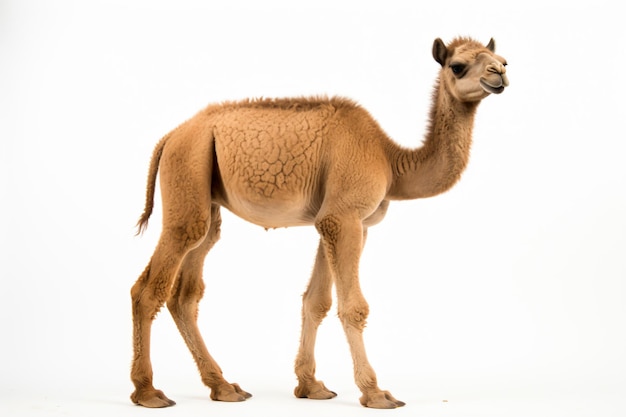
[[269, 169], [271, 215]]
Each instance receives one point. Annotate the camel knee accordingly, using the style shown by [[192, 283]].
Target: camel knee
[[145, 305], [316, 310], [355, 315], [185, 297], [143, 309], [148, 295], [162, 277]]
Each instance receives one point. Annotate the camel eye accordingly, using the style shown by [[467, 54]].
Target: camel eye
[[457, 69]]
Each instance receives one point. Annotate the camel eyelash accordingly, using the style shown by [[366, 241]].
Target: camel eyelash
[[458, 69]]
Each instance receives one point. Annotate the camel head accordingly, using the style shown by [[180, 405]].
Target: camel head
[[470, 71]]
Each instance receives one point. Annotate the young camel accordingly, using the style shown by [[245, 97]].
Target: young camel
[[292, 162]]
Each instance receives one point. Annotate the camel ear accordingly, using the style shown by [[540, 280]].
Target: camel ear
[[491, 45], [440, 52]]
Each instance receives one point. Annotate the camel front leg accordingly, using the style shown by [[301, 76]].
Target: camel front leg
[[316, 302], [343, 239]]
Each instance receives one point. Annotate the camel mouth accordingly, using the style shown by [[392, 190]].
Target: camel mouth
[[491, 89], [494, 87]]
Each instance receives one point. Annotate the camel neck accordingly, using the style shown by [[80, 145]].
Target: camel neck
[[438, 164]]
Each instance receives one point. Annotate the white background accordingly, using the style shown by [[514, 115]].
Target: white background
[[505, 296]]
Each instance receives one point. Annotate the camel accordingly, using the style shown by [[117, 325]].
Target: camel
[[291, 162]]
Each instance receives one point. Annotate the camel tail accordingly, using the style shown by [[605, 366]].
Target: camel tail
[[142, 224]]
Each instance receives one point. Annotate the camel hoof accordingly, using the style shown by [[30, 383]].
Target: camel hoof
[[315, 391], [229, 393], [153, 398], [381, 399]]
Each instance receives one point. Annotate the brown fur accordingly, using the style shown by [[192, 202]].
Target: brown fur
[[288, 162]]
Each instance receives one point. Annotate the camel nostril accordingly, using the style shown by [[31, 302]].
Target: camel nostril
[[496, 68]]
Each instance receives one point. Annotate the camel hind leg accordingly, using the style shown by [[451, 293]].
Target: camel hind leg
[[183, 305], [149, 294], [185, 173]]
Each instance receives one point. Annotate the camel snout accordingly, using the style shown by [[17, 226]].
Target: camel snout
[[496, 67]]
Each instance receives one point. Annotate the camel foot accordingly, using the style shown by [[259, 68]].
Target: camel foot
[[151, 398], [381, 399], [314, 391], [229, 393]]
